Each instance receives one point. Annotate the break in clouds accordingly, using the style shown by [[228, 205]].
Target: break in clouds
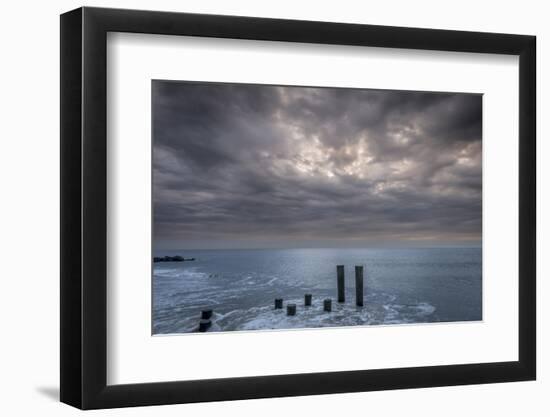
[[245, 166]]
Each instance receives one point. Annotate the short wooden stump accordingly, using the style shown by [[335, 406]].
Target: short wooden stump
[[204, 325], [206, 314], [291, 310]]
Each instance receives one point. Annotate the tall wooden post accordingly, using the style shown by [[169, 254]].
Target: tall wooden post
[[359, 285], [341, 285]]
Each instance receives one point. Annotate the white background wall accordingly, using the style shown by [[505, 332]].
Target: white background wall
[[29, 237]]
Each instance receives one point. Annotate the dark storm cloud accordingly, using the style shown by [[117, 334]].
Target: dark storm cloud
[[248, 165]]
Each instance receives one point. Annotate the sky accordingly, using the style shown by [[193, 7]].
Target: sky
[[256, 166]]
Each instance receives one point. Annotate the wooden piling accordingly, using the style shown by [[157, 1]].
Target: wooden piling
[[327, 305], [359, 285], [278, 303], [291, 309], [307, 300], [341, 284], [204, 325], [206, 314]]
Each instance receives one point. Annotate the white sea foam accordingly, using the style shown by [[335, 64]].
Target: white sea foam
[[170, 273], [266, 317], [188, 273], [425, 309]]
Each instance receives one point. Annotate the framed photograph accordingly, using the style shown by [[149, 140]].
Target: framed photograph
[[257, 208]]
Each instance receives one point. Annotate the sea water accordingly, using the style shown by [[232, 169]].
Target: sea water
[[414, 285]]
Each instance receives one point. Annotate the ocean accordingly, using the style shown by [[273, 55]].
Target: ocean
[[413, 285]]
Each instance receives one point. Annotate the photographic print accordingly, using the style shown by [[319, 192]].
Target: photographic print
[[290, 207]]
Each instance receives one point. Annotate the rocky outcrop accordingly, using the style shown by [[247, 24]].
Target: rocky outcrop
[[176, 258]]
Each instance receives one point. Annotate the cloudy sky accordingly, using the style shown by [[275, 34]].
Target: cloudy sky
[[246, 166]]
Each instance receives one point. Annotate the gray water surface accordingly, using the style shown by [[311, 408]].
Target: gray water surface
[[416, 285]]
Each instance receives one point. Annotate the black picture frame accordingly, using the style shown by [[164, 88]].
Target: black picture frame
[[84, 207]]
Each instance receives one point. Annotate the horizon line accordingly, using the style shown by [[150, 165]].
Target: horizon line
[[331, 247]]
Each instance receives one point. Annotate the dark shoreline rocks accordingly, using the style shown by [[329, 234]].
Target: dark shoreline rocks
[[176, 258]]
